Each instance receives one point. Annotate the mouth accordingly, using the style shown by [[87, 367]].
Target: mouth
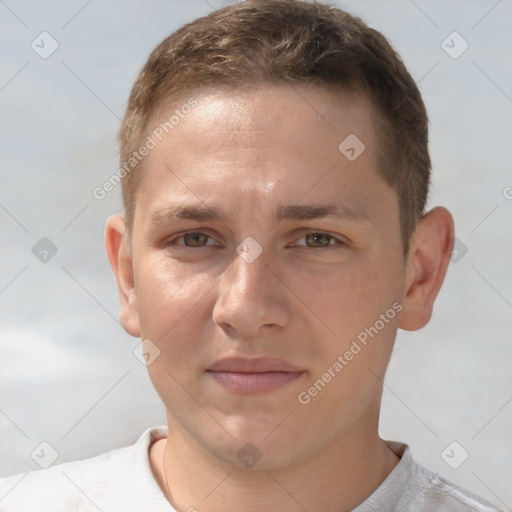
[[251, 376]]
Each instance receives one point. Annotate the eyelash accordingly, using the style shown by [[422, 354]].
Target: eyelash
[[337, 241]]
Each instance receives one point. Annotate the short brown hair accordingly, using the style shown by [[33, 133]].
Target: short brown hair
[[294, 42]]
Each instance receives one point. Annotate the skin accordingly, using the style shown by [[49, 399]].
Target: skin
[[303, 299]]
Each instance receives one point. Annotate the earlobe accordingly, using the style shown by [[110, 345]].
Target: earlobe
[[430, 250], [120, 258]]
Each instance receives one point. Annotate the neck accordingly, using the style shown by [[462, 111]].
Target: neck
[[338, 478]]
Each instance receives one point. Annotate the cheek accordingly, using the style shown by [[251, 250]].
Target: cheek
[[378, 284], [173, 311], [344, 299], [346, 307], [167, 295]]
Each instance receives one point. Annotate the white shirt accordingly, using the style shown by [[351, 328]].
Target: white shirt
[[122, 481]]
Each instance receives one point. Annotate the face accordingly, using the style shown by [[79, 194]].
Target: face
[[268, 270]]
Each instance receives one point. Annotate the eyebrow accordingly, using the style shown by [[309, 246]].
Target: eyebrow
[[281, 213]]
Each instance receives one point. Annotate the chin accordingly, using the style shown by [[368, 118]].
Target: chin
[[257, 442], [256, 455]]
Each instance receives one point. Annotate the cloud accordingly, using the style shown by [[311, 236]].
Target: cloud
[[28, 356]]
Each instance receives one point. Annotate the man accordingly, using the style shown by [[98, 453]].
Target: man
[[275, 167]]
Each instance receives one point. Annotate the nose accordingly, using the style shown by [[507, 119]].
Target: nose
[[251, 297]]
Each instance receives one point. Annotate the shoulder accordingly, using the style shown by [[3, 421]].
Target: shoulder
[[438, 493], [60, 487], [426, 490], [103, 481]]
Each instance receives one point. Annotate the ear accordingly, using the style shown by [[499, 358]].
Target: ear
[[429, 255], [120, 257]]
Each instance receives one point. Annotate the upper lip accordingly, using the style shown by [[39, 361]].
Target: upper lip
[[252, 365]]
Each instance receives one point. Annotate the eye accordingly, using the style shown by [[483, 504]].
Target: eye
[[318, 240], [192, 239]]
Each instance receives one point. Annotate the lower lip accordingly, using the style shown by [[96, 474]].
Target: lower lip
[[261, 382]]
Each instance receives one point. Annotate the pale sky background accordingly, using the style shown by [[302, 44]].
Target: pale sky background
[[68, 375]]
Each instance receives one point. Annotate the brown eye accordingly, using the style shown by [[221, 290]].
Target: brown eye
[[318, 239], [195, 239]]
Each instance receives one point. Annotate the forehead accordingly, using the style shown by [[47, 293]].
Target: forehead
[[268, 115], [267, 144]]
